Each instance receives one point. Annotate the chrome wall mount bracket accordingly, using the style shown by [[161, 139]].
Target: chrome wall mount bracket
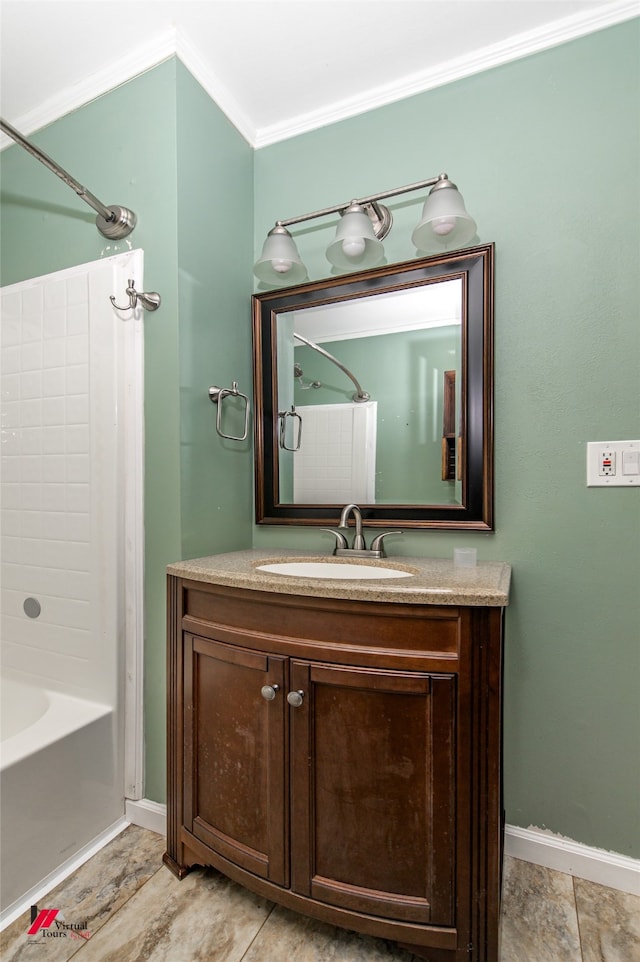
[[124, 220], [380, 216]]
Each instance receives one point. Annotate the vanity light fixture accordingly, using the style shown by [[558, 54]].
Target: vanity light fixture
[[363, 226]]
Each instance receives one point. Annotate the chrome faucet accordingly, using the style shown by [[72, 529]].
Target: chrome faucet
[[358, 540], [359, 548]]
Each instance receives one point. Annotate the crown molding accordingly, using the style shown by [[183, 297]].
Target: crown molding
[[213, 86], [174, 43], [144, 57], [168, 44], [495, 55]]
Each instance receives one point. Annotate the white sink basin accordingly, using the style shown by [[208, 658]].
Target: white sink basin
[[333, 569]]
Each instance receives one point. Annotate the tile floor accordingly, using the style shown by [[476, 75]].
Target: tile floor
[[135, 910]]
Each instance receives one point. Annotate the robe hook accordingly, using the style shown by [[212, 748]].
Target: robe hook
[[150, 300]]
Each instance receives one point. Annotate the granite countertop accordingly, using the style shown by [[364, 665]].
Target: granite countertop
[[432, 581]]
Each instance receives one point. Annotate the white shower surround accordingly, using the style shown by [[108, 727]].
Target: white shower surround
[[336, 460], [72, 536]]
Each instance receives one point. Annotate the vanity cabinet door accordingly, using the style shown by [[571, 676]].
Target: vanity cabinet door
[[235, 779], [373, 810]]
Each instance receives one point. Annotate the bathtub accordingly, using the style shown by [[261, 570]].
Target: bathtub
[[58, 775]]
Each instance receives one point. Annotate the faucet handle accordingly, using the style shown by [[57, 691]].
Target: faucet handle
[[341, 541], [378, 545]]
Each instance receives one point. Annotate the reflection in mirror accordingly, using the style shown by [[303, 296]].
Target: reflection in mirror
[[376, 389], [380, 444]]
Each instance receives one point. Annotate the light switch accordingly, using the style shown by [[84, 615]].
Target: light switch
[[631, 462], [613, 464]]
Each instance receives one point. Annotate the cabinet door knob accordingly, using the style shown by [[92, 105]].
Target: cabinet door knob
[[295, 698], [268, 692]]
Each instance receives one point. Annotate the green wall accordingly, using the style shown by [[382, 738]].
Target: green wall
[[546, 153], [180, 167], [215, 249]]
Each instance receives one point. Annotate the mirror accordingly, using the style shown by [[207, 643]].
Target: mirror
[[377, 388]]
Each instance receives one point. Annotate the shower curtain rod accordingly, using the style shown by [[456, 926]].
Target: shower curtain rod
[[113, 222], [361, 395]]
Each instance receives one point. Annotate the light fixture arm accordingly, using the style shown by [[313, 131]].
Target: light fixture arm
[[371, 199], [113, 222]]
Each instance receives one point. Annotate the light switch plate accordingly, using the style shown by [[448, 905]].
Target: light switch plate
[[613, 464]]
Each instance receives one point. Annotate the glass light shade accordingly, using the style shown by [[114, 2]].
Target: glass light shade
[[444, 222], [355, 244], [280, 264]]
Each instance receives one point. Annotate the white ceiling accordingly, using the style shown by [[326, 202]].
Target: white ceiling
[[276, 67]]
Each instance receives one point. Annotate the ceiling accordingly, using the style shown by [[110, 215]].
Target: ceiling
[[276, 67]]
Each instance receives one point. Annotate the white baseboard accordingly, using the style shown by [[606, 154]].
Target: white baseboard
[[147, 814], [564, 855], [529, 844]]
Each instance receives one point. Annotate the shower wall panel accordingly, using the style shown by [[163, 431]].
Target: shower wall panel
[[61, 518]]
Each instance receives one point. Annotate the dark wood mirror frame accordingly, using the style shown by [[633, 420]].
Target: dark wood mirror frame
[[475, 267]]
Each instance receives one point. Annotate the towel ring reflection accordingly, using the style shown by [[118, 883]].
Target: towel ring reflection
[[283, 415]]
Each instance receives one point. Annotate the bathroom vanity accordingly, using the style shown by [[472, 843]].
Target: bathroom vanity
[[335, 745]]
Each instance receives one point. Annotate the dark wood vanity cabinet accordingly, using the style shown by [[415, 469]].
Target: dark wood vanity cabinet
[[341, 758]]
